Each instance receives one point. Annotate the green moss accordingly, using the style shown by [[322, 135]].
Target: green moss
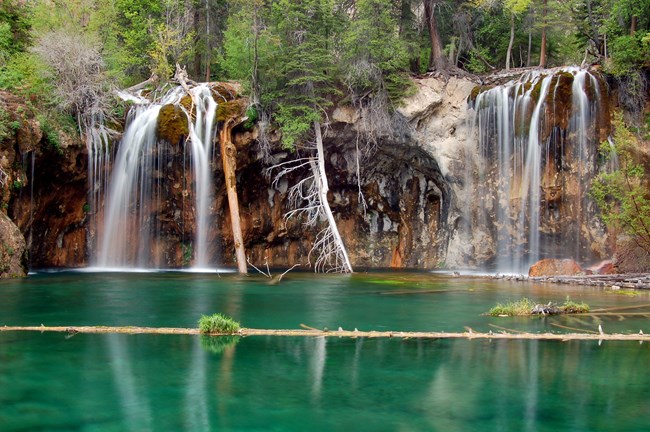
[[187, 103], [537, 89], [227, 110], [172, 124]]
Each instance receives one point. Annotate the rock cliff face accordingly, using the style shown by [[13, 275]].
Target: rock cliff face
[[45, 189], [13, 253], [421, 185]]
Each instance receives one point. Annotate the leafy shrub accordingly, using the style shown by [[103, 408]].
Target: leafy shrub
[[218, 323]]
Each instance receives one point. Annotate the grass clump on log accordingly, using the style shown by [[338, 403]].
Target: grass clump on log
[[527, 306], [218, 323], [513, 308], [570, 306]]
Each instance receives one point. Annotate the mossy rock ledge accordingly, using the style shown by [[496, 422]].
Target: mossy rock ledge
[[172, 119], [172, 124]]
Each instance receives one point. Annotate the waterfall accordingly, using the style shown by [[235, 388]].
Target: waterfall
[[202, 136], [138, 189], [537, 146], [99, 157]]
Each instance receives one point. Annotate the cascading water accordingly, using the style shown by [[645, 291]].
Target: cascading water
[[138, 185], [537, 145], [99, 157], [201, 139]]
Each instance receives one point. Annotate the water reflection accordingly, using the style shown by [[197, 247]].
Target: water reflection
[[113, 382], [132, 396]]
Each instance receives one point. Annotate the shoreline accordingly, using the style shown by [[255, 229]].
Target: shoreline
[[639, 281]]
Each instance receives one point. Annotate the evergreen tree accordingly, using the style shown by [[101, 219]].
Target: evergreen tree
[[376, 58]]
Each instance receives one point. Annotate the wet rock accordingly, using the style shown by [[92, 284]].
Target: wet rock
[[554, 267]]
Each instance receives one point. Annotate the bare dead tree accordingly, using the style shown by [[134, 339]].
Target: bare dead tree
[[308, 200], [79, 70]]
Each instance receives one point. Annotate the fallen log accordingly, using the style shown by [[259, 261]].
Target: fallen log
[[312, 332]]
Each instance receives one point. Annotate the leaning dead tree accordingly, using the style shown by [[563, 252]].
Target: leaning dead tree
[[308, 199], [229, 161]]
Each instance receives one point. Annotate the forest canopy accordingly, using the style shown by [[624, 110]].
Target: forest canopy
[[294, 56]]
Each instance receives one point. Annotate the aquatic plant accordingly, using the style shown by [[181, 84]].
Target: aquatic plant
[[513, 308], [217, 323]]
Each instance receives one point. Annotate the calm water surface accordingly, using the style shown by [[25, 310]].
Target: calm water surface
[[153, 382]]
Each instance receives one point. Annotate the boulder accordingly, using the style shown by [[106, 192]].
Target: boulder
[[555, 267], [631, 257]]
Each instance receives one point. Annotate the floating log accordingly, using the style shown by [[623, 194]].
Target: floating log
[[312, 332]]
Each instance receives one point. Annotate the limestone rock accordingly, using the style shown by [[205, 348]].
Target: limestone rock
[[13, 260], [554, 267], [425, 100]]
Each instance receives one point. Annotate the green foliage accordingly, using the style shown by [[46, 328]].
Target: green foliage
[[629, 53], [305, 65], [51, 133], [5, 125], [26, 75], [251, 117], [622, 193], [376, 58], [15, 26], [218, 323], [188, 251], [513, 308]]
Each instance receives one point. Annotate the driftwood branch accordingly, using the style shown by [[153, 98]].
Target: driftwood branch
[[152, 80]]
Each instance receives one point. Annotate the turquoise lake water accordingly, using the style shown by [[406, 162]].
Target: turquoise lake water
[[58, 382]]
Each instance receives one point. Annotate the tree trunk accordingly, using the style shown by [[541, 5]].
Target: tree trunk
[[437, 59], [207, 41], [512, 40], [257, 27], [633, 25], [229, 160], [542, 51], [323, 188], [197, 51], [530, 40]]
